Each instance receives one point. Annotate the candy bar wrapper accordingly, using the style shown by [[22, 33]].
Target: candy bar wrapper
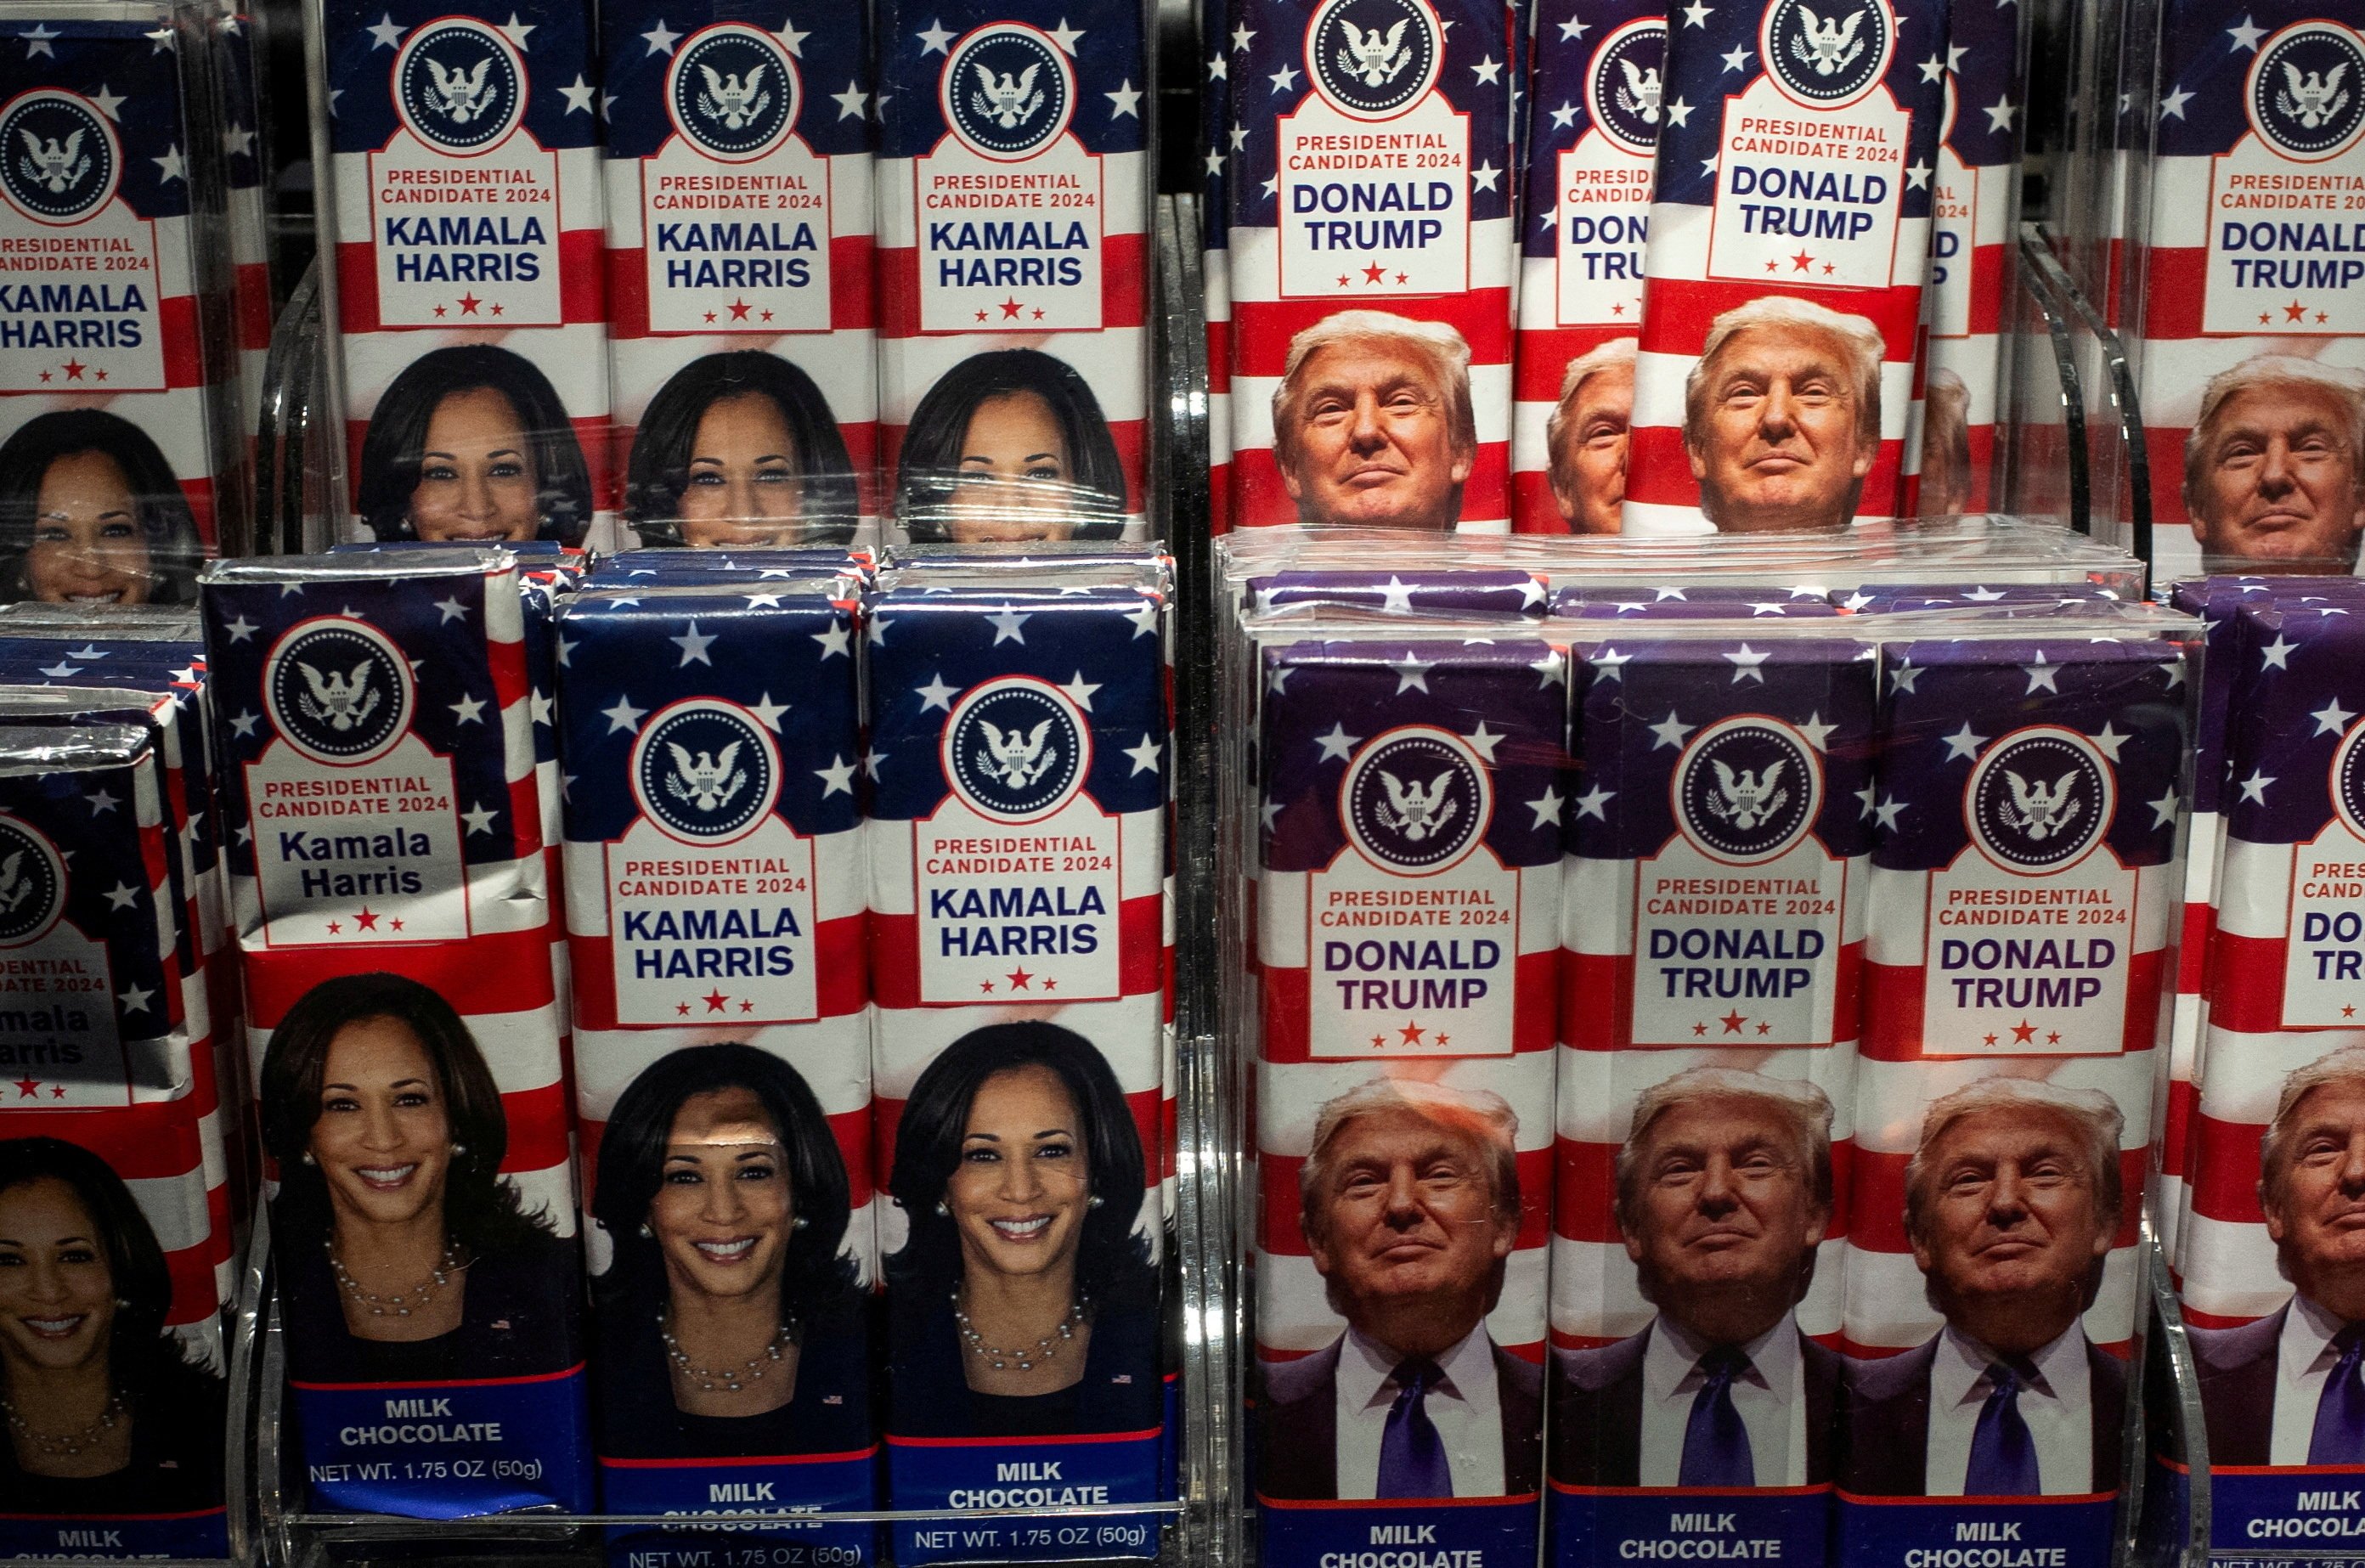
[[1018, 768], [1214, 244], [1593, 122], [238, 48], [1789, 231], [1014, 264], [114, 369], [2253, 289], [1372, 212], [1641, 609], [715, 902], [2024, 891], [387, 875], [739, 268], [468, 294], [1507, 591], [1712, 929], [1408, 922]]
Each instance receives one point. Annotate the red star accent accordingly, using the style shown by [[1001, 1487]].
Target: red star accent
[[365, 921], [2348, 1012], [747, 1007], [101, 375], [1050, 985], [980, 315], [1411, 1033], [73, 370], [468, 303], [2024, 1033], [1440, 1039], [986, 986], [1039, 313], [2294, 311], [1802, 261], [45, 376], [499, 308], [2265, 317], [334, 928], [398, 926], [57, 1092], [1402, 277], [1829, 268], [739, 309], [1991, 1039], [709, 315], [1765, 1028], [1010, 308], [1773, 266], [1374, 273], [715, 1000], [2321, 318], [1343, 280], [1732, 1021], [30, 1088], [1019, 979], [1378, 1040], [1700, 1029], [2053, 1039], [767, 316], [682, 1008], [440, 309]]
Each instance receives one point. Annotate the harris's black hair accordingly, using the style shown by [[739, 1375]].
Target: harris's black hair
[[929, 464], [166, 523], [395, 446], [658, 472]]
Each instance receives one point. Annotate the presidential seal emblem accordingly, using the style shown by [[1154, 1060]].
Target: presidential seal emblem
[[705, 771], [1622, 87], [732, 92], [1016, 748], [32, 883], [2039, 800], [2305, 94], [1747, 788], [1417, 800], [338, 690], [59, 161], [1826, 54], [1007, 91], [1373, 58], [459, 86]]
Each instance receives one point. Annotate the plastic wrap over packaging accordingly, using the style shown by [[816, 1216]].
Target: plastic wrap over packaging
[[1013, 266], [388, 873], [237, 50], [1408, 930], [1214, 240], [1018, 768], [1371, 187], [743, 348], [1789, 235], [1593, 117]]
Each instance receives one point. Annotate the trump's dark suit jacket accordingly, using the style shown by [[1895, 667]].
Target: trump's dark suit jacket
[[2238, 1368], [1886, 1424], [1598, 1412], [1297, 1425]]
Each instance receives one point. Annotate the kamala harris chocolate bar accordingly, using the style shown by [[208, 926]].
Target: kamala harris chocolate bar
[[1410, 806], [1789, 233], [1593, 115], [1018, 767], [743, 344], [459, 171], [388, 878]]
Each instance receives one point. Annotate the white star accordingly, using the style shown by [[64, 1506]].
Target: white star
[[1214, 165], [136, 999], [1589, 804], [765, 601], [2171, 106], [837, 778], [693, 645], [870, 761], [2246, 34], [540, 702], [2000, 113], [1337, 744], [1904, 676], [172, 165], [2163, 811], [1531, 593], [1964, 744], [936, 694], [1573, 30], [123, 897], [1241, 38], [2254, 788], [852, 102], [607, 105], [1696, 15], [791, 39], [1547, 809], [1607, 664], [384, 33], [1745, 661], [1144, 617], [241, 629], [1865, 795], [1278, 681], [623, 716], [1565, 117], [161, 39], [102, 804], [1885, 814], [1126, 100], [1144, 756], [471, 710], [242, 724], [1488, 70], [837, 642], [1954, 54], [479, 820], [2110, 741], [768, 712], [1080, 692], [1411, 674], [61, 671], [1006, 624], [1484, 741], [2174, 670], [1737, 60], [1818, 733], [1917, 175], [578, 96], [2042, 677], [1670, 731], [1396, 597], [565, 648], [1066, 36], [1708, 165], [1272, 188], [1679, 113], [109, 103], [1484, 176], [449, 610], [1934, 69], [1218, 68], [660, 39], [1284, 79], [515, 32], [1269, 811], [875, 632], [2332, 718], [2277, 653], [935, 40]]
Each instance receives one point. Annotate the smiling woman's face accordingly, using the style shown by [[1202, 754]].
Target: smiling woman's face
[[744, 483], [723, 1209], [1017, 477], [477, 480], [384, 1139], [56, 1293], [87, 546], [1018, 1196]]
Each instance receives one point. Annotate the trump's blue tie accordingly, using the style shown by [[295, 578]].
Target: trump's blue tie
[[2339, 1436], [1716, 1443], [1412, 1456], [2003, 1454]]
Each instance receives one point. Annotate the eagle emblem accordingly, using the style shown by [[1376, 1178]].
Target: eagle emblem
[[55, 168], [462, 95], [1749, 798], [1414, 810], [1376, 58], [707, 781], [1828, 47], [1008, 104], [2039, 810], [1015, 760], [1640, 95], [2312, 98], [736, 100], [341, 702], [14, 886]]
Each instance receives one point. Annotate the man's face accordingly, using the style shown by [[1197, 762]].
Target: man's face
[[1588, 467], [1374, 441], [2316, 1211], [2278, 479], [1406, 1213], [2011, 1212], [1722, 1200], [1778, 443]]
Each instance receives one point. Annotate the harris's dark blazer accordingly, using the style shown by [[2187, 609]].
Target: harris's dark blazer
[[1297, 1426], [1598, 1412], [1886, 1425], [2238, 1368]]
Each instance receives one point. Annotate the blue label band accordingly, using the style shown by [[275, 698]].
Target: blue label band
[[1986, 1533], [183, 1536], [1698, 1525], [684, 1488], [960, 1473], [1493, 1532], [448, 1451], [2311, 1509]]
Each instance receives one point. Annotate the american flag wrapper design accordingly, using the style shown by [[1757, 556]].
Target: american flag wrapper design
[[1372, 245], [1506, 591], [1215, 245], [739, 271], [1014, 263], [245, 163], [462, 191], [378, 783], [1408, 929], [1790, 232], [1593, 118], [1018, 787]]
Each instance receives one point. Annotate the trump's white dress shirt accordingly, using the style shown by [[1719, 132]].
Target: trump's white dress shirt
[[1771, 1397], [2058, 1404], [1465, 1406]]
